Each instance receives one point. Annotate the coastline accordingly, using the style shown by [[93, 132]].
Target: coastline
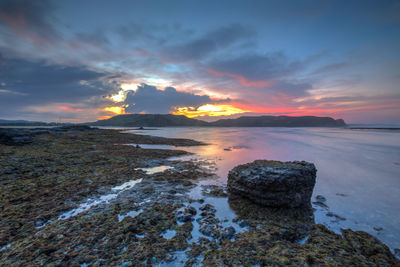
[[60, 170]]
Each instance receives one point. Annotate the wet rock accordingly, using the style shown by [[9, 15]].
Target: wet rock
[[191, 210], [184, 214], [331, 214], [208, 207], [243, 224], [10, 170], [214, 191], [126, 264], [15, 137], [320, 198], [321, 204], [397, 252], [376, 228], [210, 229], [228, 232], [274, 183], [39, 224]]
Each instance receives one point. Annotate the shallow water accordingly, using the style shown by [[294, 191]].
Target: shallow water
[[104, 199], [358, 170]]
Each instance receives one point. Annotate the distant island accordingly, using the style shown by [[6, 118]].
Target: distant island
[[169, 120], [30, 123]]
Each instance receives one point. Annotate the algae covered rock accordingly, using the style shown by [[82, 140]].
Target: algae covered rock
[[274, 183], [14, 137]]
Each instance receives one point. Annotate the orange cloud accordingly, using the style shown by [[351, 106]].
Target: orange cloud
[[69, 108]]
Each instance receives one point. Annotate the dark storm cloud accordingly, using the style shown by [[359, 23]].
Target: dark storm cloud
[[24, 83], [221, 38], [149, 99], [29, 18]]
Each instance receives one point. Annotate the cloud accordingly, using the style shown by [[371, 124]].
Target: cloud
[[30, 19], [149, 99], [31, 83], [262, 73], [330, 68], [257, 66], [210, 42]]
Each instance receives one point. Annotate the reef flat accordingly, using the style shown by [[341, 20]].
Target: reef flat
[[86, 198]]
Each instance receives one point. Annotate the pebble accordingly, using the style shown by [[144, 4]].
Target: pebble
[[320, 198], [228, 232]]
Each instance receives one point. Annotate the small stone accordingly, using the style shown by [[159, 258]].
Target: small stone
[[376, 228], [183, 215], [192, 210], [207, 229], [126, 264], [243, 224], [208, 207], [331, 214], [228, 232], [321, 204], [320, 198]]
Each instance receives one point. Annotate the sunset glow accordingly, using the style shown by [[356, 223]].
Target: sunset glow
[[208, 110], [115, 110]]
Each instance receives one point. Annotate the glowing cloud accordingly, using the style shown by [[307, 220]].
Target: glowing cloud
[[115, 110], [69, 108], [208, 110], [125, 88]]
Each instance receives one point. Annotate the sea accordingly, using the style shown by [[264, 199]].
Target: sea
[[358, 170]]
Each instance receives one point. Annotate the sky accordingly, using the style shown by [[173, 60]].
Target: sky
[[77, 61]]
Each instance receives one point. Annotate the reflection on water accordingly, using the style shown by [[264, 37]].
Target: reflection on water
[[358, 171]]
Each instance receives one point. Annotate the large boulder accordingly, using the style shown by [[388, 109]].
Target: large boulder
[[274, 183]]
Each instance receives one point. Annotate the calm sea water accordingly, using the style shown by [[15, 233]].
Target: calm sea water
[[358, 170]]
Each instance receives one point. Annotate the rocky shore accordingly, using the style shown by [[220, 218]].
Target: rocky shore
[[83, 197]]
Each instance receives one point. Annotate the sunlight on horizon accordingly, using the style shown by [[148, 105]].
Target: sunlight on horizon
[[208, 110]]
